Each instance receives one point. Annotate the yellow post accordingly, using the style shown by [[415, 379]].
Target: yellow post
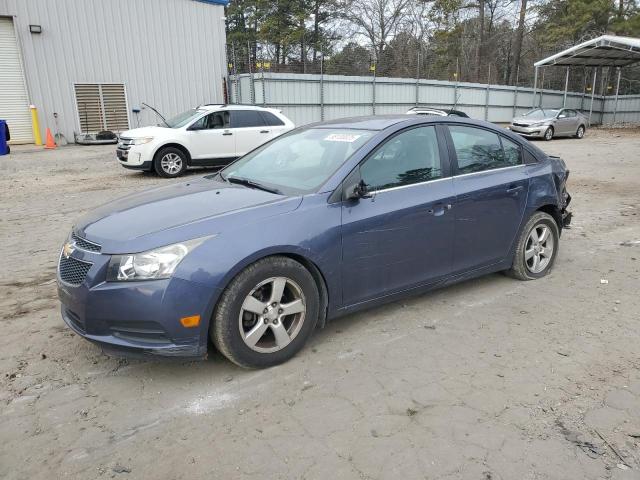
[[35, 125]]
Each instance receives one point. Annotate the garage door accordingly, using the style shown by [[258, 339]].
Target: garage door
[[14, 103]]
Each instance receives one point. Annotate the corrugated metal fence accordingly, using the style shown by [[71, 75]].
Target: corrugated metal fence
[[307, 98]]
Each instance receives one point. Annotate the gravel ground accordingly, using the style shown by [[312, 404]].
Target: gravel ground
[[489, 379]]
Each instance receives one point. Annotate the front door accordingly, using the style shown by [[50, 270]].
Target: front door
[[402, 236], [564, 123], [491, 187], [211, 138]]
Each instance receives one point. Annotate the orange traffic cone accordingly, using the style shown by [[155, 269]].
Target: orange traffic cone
[[51, 144]]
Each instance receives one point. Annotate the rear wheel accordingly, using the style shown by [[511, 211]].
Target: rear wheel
[[266, 314], [537, 248], [548, 133], [580, 132], [170, 162]]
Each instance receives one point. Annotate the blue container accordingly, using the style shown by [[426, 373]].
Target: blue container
[[4, 137]]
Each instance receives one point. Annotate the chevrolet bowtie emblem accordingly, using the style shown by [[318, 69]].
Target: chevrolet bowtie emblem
[[68, 249]]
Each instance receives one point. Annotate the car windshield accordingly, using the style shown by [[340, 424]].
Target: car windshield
[[183, 119], [298, 162], [540, 113]]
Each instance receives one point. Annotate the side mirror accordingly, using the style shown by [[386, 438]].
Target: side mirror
[[357, 191]]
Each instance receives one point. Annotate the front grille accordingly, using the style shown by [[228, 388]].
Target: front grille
[[84, 244], [520, 124], [72, 270]]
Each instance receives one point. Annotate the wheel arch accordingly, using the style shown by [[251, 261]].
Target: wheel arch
[[179, 146], [554, 211], [295, 254]]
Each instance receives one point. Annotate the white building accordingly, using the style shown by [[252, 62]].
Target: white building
[[87, 64]]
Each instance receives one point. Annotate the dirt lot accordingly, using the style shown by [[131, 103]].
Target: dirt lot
[[489, 379]]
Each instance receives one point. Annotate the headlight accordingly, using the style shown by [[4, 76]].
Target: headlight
[[141, 140], [151, 265]]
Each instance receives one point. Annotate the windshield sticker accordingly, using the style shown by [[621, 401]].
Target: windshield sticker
[[342, 137]]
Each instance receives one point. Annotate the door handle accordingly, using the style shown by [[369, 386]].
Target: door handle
[[264, 131], [227, 133], [514, 189]]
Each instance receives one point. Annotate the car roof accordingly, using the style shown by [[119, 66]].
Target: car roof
[[437, 109], [214, 107], [382, 122]]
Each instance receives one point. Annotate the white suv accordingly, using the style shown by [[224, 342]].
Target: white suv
[[210, 135]]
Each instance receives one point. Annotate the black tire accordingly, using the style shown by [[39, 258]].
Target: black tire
[[162, 167], [226, 323], [580, 132], [548, 134], [520, 268]]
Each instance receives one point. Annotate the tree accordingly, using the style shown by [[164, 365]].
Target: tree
[[517, 47], [377, 20]]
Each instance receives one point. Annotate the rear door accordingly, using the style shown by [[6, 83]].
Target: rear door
[[275, 126], [573, 121], [250, 130], [402, 236], [491, 187]]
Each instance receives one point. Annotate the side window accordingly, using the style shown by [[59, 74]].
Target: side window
[[410, 157], [200, 123], [477, 149], [570, 113], [218, 120], [246, 118], [271, 120], [511, 152]]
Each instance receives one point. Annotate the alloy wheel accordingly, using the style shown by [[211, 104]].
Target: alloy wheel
[[272, 315], [580, 132], [539, 248], [171, 163], [548, 134]]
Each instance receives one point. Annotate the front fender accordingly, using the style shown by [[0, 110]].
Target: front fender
[[311, 233]]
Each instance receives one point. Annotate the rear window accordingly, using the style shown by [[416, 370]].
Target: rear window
[[246, 118], [270, 119]]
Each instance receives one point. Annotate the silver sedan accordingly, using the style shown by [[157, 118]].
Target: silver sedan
[[548, 123]]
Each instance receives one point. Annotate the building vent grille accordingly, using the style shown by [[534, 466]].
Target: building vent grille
[[101, 106]]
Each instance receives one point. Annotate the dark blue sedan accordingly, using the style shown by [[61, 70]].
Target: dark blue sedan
[[325, 220]]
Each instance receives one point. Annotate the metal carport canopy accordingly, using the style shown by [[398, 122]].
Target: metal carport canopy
[[604, 51]]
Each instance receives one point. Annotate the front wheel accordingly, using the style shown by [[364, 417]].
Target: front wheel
[[537, 248], [266, 314], [580, 132], [170, 162], [548, 134]]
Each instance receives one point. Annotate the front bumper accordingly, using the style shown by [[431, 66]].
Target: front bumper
[[146, 166], [533, 132], [139, 157], [133, 318]]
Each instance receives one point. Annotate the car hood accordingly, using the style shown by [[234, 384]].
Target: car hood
[[178, 212], [142, 132]]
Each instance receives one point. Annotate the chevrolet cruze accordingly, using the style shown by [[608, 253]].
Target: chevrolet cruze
[[322, 221]]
